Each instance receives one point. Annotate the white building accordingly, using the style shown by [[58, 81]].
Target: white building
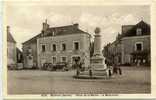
[[63, 44]]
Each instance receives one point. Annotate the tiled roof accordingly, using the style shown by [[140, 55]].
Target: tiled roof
[[132, 31], [10, 38], [65, 30], [57, 31]]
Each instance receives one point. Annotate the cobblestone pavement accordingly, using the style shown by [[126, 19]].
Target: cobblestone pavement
[[134, 80]]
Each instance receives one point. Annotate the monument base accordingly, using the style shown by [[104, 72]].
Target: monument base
[[98, 67], [97, 63]]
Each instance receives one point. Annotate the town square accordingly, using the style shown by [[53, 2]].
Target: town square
[[47, 82]]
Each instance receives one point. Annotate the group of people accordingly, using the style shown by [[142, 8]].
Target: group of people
[[116, 68]]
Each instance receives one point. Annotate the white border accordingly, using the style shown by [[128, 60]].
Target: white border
[[152, 3]]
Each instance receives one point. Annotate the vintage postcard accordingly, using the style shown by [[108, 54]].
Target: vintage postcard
[[79, 49]]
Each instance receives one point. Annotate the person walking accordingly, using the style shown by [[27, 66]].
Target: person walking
[[78, 67], [120, 71]]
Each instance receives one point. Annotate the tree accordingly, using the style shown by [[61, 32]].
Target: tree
[[91, 49]]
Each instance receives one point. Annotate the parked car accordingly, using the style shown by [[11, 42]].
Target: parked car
[[45, 66], [50, 66], [54, 67], [60, 66]]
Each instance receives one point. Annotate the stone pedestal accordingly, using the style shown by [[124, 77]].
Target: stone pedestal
[[97, 63]]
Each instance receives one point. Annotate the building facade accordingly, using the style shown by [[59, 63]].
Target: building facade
[[30, 53], [132, 47], [11, 48], [57, 44], [64, 48]]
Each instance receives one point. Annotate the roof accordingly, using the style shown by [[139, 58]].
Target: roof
[[10, 38], [125, 28], [65, 31], [132, 31], [18, 50], [58, 31], [33, 39]]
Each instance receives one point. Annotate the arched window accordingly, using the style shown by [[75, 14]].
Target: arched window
[[54, 47]]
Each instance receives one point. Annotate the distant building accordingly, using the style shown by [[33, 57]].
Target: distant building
[[30, 52], [19, 55], [11, 48], [132, 46], [57, 44]]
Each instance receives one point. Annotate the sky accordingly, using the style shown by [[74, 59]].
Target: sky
[[25, 19]]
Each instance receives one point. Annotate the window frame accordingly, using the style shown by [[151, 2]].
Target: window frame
[[53, 59], [141, 46], [63, 57], [74, 45], [62, 48], [42, 47], [52, 47]]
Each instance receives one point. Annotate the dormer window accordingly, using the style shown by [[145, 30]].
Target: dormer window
[[138, 31]]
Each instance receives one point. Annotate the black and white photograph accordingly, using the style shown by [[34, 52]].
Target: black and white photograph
[[77, 49]]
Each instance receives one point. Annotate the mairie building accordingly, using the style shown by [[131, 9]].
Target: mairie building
[[57, 44]]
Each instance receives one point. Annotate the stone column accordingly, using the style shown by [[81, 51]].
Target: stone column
[[97, 43]]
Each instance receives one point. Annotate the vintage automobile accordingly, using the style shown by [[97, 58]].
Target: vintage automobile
[[60, 66], [47, 66], [54, 67]]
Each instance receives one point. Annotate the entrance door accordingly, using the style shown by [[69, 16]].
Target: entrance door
[[74, 59]]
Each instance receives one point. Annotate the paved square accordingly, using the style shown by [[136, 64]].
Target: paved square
[[134, 80]]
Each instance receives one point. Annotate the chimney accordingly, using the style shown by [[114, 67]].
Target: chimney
[[76, 25], [45, 26], [8, 29]]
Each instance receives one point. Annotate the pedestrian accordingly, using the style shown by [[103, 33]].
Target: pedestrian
[[78, 67], [115, 70], [120, 71], [138, 62], [109, 72]]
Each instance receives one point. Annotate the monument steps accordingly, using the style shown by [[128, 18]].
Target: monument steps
[[95, 73]]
